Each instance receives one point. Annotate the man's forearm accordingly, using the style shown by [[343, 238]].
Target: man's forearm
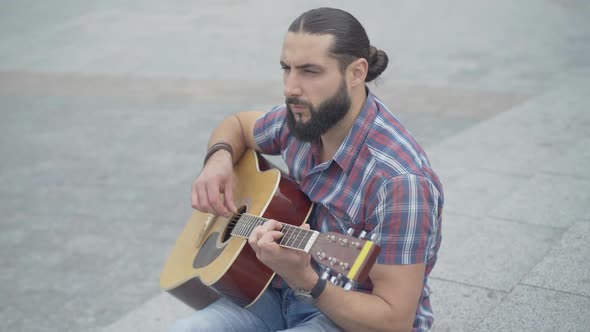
[[230, 131], [356, 311]]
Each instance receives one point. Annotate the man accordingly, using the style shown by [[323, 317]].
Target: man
[[360, 166]]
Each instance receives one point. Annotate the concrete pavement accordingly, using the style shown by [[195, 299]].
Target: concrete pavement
[[105, 109]]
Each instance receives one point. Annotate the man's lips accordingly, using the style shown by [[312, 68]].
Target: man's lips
[[298, 107]]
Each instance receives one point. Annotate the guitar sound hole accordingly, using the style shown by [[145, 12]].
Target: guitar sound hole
[[232, 222]]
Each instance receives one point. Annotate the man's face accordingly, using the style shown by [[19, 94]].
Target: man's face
[[316, 92], [321, 118]]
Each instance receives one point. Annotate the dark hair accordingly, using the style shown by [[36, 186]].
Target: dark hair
[[350, 39]]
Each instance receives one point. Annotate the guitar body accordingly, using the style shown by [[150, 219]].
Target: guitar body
[[207, 262]]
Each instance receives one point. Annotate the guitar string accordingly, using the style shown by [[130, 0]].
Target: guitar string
[[260, 220], [300, 236], [257, 221], [236, 218]]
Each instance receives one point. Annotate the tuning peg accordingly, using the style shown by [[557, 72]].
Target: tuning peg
[[349, 285], [326, 274], [350, 231], [362, 235], [337, 280], [373, 237], [333, 260]]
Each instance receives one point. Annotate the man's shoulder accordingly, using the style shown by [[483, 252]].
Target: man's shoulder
[[277, 111], [391, 146]]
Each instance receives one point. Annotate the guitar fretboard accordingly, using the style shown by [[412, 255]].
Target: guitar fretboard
[[294, 237]]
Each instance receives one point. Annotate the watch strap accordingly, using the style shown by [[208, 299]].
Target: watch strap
[[318, 289]]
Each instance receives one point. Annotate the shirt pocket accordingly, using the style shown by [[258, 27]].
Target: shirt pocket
[[345, 221]]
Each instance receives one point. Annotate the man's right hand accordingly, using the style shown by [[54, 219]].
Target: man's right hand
[[212, 191]]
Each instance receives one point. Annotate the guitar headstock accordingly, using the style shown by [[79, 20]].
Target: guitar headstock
[[345, 255]]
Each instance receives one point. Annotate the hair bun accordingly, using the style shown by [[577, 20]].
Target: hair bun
[[378, 61]]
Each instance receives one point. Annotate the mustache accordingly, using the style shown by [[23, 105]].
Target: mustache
[[297, 101]]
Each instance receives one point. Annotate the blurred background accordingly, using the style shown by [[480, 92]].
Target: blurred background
[[106, 108]]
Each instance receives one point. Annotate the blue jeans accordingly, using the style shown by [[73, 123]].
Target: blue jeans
[[276, 310]]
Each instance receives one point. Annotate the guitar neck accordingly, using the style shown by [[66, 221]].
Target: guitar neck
[[293, 237]]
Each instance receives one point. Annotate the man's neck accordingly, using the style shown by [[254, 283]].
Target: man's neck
[[332, 140]]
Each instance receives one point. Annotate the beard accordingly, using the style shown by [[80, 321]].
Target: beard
[[322, 118]]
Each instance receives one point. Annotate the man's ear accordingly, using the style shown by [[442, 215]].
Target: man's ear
[[358, 71]]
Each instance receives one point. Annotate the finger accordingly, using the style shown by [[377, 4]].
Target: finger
[[253, 244], [272, 225], [275, 235], [267, 244], [255, 235], [269, 238], [228, 192], [202, 204], [253, 239], [194, 197], [214, 197]]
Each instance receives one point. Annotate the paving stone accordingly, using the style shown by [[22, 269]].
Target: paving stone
[[156, 314], [525, 139], [535, 309], [491, 253], [566, 267], [550, 200], [580, 152], [459, 307], [112, 37], [476, 192]]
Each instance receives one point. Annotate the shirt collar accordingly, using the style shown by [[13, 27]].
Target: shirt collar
[[351, 146]]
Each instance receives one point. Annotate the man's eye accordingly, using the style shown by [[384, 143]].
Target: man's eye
[[307, 71]]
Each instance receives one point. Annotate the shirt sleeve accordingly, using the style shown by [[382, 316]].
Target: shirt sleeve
[[269, 131], [404, 219]]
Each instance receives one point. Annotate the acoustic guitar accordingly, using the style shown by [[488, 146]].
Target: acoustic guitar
[[212, 257]]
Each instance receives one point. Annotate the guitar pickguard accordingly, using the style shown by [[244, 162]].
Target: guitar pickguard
[[208, 253]]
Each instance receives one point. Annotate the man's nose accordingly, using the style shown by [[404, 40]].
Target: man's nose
[[292, 87]]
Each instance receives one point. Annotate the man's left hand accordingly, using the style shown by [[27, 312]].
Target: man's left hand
[[292, 265]]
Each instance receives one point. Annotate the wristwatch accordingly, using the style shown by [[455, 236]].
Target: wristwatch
[[309, 296]]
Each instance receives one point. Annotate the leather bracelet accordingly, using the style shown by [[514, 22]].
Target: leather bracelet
[[216, 147]]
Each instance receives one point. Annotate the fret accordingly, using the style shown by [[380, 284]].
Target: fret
[[285, 237], [258, 221], [306, 238], [241, 226], [261, 221], [295, 237], [251, 224], [288, 231], [237, 228], [301, 237]]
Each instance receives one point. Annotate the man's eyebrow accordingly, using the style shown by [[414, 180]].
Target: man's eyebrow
[[303, 66]]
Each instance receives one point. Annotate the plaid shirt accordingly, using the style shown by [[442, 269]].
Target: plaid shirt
[[379, 181]]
